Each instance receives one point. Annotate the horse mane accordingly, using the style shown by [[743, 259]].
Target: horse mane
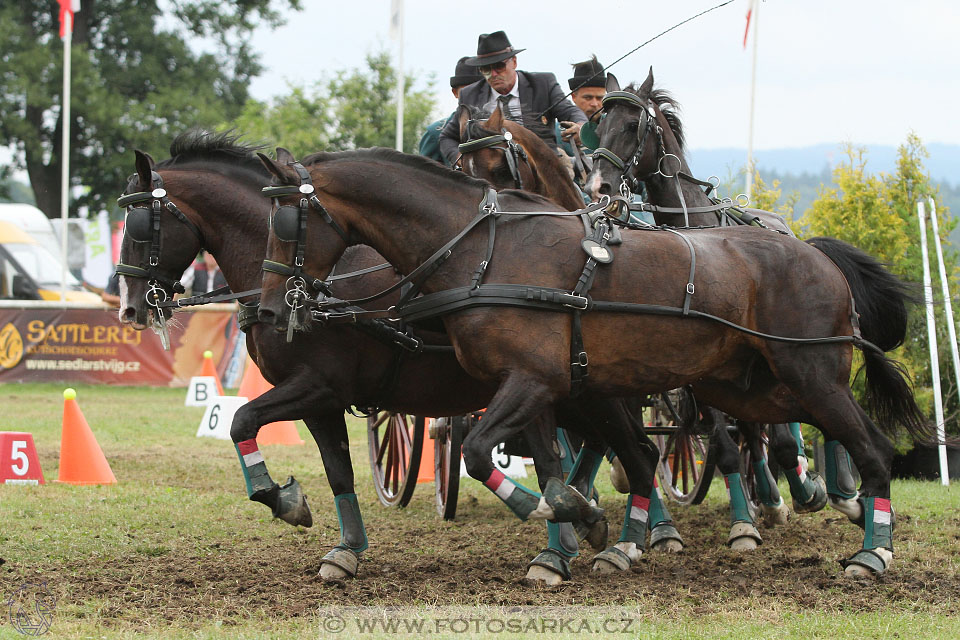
[[392, 155], [670, 109], [224, 147]]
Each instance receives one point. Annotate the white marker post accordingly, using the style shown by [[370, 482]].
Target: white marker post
[[932, 333], [951, 328]]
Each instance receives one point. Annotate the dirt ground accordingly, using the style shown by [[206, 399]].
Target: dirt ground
[[480, 559]]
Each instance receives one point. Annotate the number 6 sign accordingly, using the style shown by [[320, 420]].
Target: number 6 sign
[[19, 463]]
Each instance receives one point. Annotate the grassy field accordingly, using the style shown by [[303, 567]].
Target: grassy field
[[175, 549]]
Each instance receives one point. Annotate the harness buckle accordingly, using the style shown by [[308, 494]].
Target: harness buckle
[[690, 288], [577, 302], [154, 261], [581, 361]]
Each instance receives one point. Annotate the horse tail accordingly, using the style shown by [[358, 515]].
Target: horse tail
[[882, 299], [889, 398]]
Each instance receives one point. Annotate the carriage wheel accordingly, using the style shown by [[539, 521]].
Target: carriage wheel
[[446, 465], [395, 443], [687, 458]]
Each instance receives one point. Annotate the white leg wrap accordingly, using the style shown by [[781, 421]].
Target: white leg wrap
[[543, 511], [631, 550]]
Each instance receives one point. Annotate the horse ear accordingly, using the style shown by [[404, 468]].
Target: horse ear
[[647, 85], [495, 121], [284, 156], [612, 83], [274, 168], [463, 116], [144, 164]]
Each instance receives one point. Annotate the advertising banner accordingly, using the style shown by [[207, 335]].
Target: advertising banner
[[91, 346]]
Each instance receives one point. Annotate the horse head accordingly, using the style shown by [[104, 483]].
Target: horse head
[[287, 282], [159, 243], [632, 133]]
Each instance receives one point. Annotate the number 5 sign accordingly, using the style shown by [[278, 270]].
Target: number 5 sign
[[19, 463]]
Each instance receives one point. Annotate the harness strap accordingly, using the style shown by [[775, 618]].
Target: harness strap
[[218, 295], [247, 315], [294, 271]]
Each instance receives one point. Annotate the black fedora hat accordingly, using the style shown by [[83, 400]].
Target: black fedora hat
[[464, 74], [588, 74], [492, 48]]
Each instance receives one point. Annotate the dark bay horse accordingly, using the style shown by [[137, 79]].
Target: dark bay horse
[[641, 139], [214, 182], [408, 208], [508, 155]]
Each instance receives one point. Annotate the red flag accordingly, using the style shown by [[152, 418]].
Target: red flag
[[67, 8], [746, 31]]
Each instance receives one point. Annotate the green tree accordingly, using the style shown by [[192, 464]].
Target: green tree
[[135, 83], [349, 110]]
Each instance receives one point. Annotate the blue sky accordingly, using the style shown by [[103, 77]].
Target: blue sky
[[860, 71]]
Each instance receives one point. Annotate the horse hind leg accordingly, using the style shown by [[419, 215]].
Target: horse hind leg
[[775, 511], [807, 488], [744, 535]]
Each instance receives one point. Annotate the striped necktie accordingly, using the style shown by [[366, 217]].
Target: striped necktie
[[505, 107]]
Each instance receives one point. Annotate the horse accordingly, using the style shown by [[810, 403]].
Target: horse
[[643, 125], [211, 200], [736, 339], [518, 158], [513, 158]]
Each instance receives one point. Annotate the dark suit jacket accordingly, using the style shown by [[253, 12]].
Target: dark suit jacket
[[200, 281], [537, 92]]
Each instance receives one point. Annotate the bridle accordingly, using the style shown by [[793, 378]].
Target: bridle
[[142, 226], [289, 224], [628, 182], [512, 151]]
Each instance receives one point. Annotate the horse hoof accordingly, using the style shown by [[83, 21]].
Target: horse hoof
[[339, 563], [603, 566], [618, 477], [292, 505], [333, 572], [566, 504], [537, 575], [819, 499], [614, 560], [548, 568], [744, 537], [868, 563], [665, 538], [597, 535], [778, 515]]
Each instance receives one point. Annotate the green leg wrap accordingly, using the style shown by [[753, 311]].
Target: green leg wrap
[[562, 538], [635, 521], [795, 431], [587, 463], [739, 512], [658, 509], [766, 486], [519, 499], [255, 476], [801, 486], [353, 536], [838, 469], [566, 453], [878, 523]]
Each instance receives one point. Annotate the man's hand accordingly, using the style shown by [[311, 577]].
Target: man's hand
[[571, 130]]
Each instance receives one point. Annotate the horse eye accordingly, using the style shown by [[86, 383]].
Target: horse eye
[[632, 126]]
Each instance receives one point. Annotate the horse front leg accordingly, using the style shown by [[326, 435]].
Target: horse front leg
[[775, 511], [744, 535], [330, 432], [287, 401], [808, 489]]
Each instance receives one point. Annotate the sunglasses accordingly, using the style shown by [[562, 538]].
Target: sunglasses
[[487, 69]]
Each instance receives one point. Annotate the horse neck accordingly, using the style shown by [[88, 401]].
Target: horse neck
[[404, 212], [232, 216], [553, 180], [662, 191]]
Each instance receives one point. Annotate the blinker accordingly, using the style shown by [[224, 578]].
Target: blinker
[[286, 223], [588, 135], [138, 226]]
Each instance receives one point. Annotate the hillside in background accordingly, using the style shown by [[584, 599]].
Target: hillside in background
[[803, 170]]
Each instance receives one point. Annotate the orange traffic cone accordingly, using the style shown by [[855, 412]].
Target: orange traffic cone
[[426, 473], [209, 370], [252, 385], [81, 458]]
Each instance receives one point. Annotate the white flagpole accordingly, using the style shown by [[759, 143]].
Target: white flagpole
[[398, 17], [753, 93], [65, 153], [948, 309], [931, 332]]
